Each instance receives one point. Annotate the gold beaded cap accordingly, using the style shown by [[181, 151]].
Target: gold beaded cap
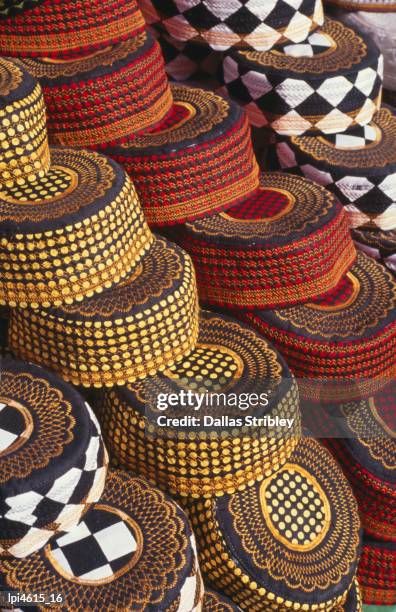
[[141, 326], [24, 151]]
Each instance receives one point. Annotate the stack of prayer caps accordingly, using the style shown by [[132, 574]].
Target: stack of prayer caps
[[232, 372], [105, 95], [133, 551], [52, 460], [143, 325], [70, 220], [285, 244], [361, 435], [49, 29], [326, 84], [198, 161], [214, 602], [377, 573], [290, 541], [346, 335], [358, 166], [221, 24]]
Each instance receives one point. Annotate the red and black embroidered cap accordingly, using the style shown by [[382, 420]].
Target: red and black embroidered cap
[[286, 243], [104, 96], [51, 28]]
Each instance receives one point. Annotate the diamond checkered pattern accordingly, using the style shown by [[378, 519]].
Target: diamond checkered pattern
[[224, 23], [358, 137], [368, 200], [40, 515], [295, 106], [185, 60], [99, 547], [316, 43]]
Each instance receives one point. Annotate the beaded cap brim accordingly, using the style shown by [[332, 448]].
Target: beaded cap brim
[[48, 30], [325, 85], [106, 95], [289, 542], [223, 24], [293, 231], [53, 462], [140, 327], [75, 231], [198, 161], [207, 459], [346, 335], [134, 550], [358, 166]]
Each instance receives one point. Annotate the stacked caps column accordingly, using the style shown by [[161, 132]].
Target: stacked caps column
[[71, 229], [320, 99]]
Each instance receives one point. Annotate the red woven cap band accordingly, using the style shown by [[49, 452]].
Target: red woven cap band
[[105, 96], [291, 230], [55, 29], [199, 160], [377, 573]]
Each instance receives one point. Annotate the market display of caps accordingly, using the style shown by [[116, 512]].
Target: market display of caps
[[292, 231], [53, 462], [222, 24], [48, 29], [280, 543], [70, 220], [358, 166], [106, 95], [377, 572], [205, 460], [198, 161], [134, 550], [343, 338], [324, 85], [143, 325]]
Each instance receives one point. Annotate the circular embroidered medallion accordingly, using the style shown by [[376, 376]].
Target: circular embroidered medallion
[[283, 540]]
